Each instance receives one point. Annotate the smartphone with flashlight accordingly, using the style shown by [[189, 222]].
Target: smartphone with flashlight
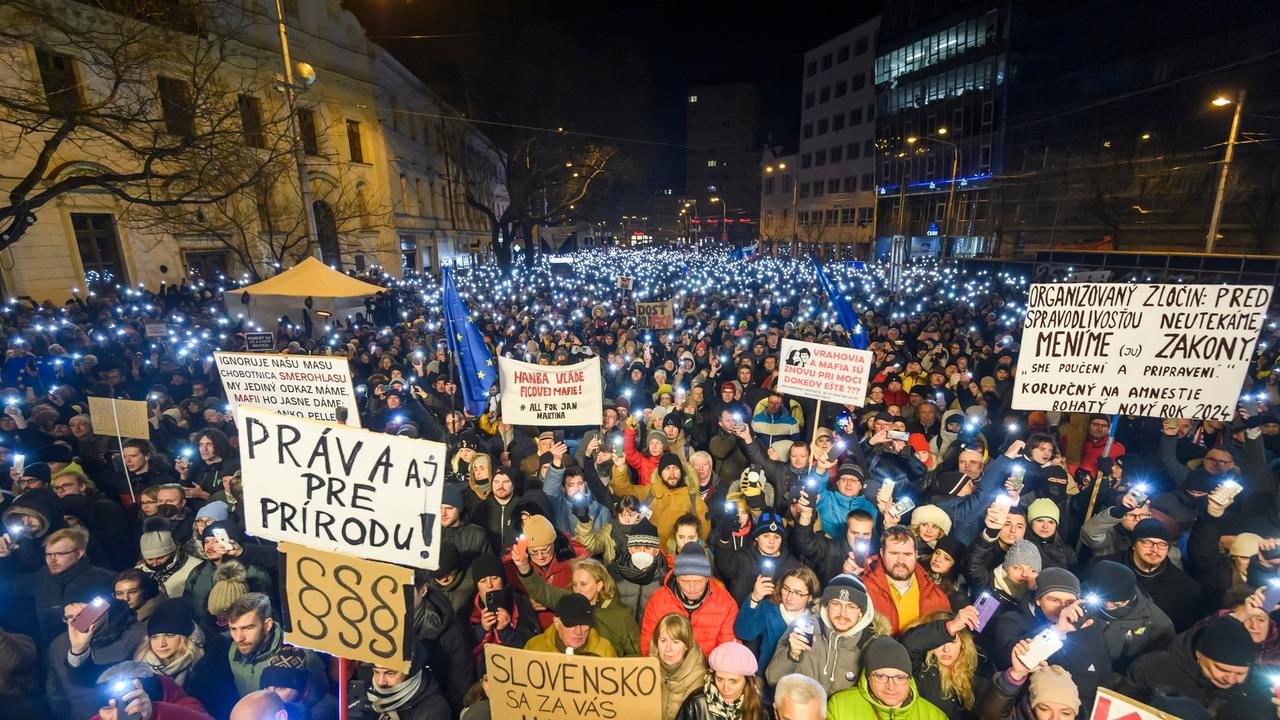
[[767, 567], [804, 627], [861, 551], [899, 435], [119, 691], [1016, 476], [1226, 491], [903, 506], [224, 540], [1271, 597], [90, 614], [19, 463], [1141, 494], [1043, 646], [987, 605], [886, 489]]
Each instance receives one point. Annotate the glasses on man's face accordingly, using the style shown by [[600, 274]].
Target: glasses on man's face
[[64, 487], [542, 552], [1217, 461], [1150, 544], [56, 555], [792, 592], [889, 678]]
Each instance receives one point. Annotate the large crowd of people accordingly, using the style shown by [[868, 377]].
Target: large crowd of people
[[932, 553]]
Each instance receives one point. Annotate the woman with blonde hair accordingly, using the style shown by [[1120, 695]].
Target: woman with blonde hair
[[775, 606], [613, 620], [683, 666], [944, 661], [175, 647], [479, 475]]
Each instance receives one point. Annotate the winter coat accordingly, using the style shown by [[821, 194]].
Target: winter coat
[[247, 669], [726, 451], [201, 581], [1054, 551], [524, 625], [437, 629], [919, 641], [825, 555], [932, 598], [741, 566], [1172, 590], [667, 503], [634, 586], [858, 703], [834, 660], [470, 540], [761, 625], [562, 515], [176, 583], [967, 512], [640, 460], [695, 707], [549, 641], [614, 621], [111, 643], [1175, 671], [833, 508], [1084, 653], [1135, 630], [109, 525], [557, 573], [50, 593], [494, 518], [1105, 536], [1004, 700], [712, 619]]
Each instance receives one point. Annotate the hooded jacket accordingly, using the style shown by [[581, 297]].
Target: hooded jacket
[[857, 703], [712, 619], [1135, 630], [1176, 671], [932, 598], [667, 503], [834, 659]]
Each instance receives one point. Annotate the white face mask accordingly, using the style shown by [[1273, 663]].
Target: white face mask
[[642, 560]]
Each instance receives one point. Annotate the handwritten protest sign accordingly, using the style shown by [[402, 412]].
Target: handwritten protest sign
[[655, 315], [824, 372], [341, 489], [624, 282], [128, 418], [1111, 705], [524, 685], [1149, 350], [550, 395], [156, 330], [260, 341], [298, 385], [347, 607]]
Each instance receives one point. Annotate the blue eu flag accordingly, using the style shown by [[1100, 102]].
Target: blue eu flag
[[857, 338], [477, 372]]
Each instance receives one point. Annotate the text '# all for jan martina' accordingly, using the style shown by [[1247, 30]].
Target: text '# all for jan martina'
[[1150, 350]]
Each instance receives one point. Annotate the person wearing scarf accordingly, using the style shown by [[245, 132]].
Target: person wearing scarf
[[414, 695], [176, 648], [731, 690], [163, 558]]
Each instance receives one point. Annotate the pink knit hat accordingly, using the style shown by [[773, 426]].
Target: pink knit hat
[[733, 658]]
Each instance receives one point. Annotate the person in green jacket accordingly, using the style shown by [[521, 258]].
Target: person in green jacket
[[255, 639], [614, 621], [885, 690]]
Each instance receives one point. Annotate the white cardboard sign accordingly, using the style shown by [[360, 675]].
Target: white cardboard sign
[[824, 372], [1148, 350], [1110, 705], [305, 386], [341, 489], [550, 395]]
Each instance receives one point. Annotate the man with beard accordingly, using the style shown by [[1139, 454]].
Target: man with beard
[[1174, 591], [831, 649], [899, 587], [668, 495], [494, 513]]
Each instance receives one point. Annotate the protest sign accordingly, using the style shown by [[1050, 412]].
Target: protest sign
[[1110, 705], [524, 685], [624, 282], [655, 315], [156, 330], [347, 607], [1149, 350], [824, 372], [550, 395], [341, 489], [299, 385], [122, 418], [260, 341]]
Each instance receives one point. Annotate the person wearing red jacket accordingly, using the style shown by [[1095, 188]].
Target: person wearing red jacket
[[644, 463], [899, 587], [689, 590], [1095, 442]]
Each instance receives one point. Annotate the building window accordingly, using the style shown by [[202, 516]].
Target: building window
[[846, 216], [802, 217], [58, 76], [824, 95], [804, 189], [842, 88], [307, 129], [768, 186], [957, 119], [99, 247], [806, 160], [786, 183], [822, 126], [868, 182], [988, 113], [811, 69], [819, 158], [864, 215], [837, 153], [818, 188], [860, 48], [851, 150], [842, 54], [251, 121], [984, 159], [826, 61], [176, 106], [831, 216], [711, 163], [855, 116], [353, 141], [693, 98], [833, 186], [837, 122], [807, 132], [808, 100], [850, 183], [859, 81], [869, 148]]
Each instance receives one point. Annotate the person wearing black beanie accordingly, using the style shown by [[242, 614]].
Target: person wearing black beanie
[[412, 695], [1132, 623], [1210, 665]]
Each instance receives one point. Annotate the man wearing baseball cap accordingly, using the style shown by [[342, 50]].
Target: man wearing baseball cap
[[828, 649], [762, 561], [572, 632], [886, 689]]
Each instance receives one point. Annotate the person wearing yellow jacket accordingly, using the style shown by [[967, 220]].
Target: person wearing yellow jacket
[[885, 690], [572, 632], [671, 492]]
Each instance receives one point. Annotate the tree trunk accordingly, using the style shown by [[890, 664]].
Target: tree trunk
[[526, 232]]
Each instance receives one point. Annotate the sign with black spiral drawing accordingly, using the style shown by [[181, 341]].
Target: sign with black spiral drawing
[[347, 607], [341, 489]]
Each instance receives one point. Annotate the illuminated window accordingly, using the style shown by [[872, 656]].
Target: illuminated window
[[693, 98], [711, 163]]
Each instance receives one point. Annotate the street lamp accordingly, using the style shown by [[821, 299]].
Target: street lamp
[[724, 219], [955, 162], [1223, 101], [299, 153]]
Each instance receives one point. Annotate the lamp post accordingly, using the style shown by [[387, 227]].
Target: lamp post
[[1226, 167], [724, 219], [290, 97], [794, 186], [955, 163]]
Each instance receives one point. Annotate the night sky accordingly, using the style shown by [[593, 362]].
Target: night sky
[[610, 68]]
